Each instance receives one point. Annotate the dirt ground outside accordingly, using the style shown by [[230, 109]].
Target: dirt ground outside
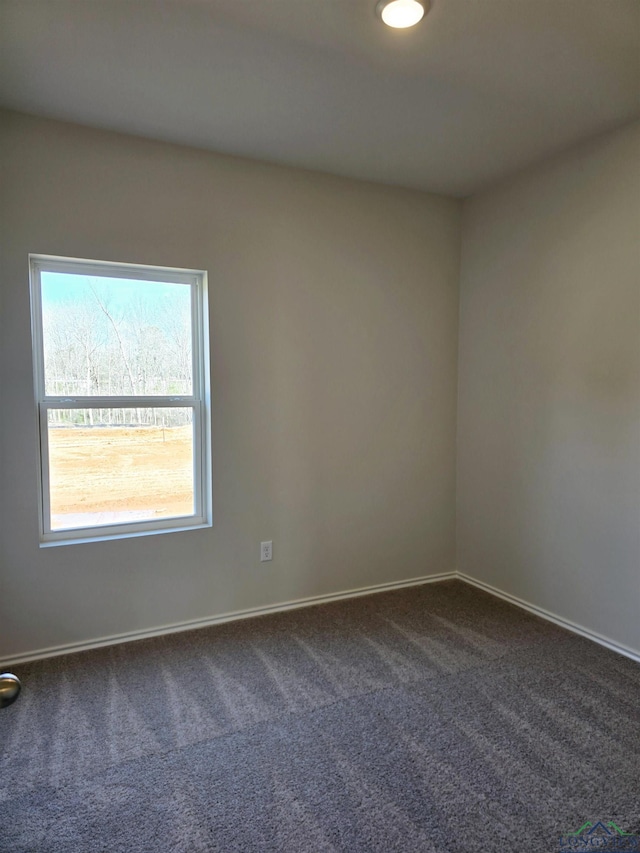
[[109, 474]]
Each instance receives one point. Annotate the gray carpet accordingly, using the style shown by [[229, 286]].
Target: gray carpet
[[434, 718]]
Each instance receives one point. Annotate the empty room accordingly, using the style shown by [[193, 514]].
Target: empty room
[[319, 426]]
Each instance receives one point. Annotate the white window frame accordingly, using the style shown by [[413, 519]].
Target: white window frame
[[199, 400]]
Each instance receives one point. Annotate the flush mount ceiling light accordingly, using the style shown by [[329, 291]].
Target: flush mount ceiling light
[[401, 14]]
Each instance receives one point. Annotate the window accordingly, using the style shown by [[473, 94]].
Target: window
[[121, 381]]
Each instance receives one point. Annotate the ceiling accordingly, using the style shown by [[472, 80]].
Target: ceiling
[[476, 91]]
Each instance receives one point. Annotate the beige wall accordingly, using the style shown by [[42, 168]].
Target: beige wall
[[549, 399], [334, 343]]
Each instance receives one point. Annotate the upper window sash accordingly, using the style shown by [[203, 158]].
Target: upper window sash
[[108, 357]]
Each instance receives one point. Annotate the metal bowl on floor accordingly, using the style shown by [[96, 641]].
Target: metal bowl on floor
[[9, 688]]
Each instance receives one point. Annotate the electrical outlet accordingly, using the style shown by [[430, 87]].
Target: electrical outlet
[[266, 551]]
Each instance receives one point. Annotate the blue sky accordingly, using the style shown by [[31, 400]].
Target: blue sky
[[67, 288]]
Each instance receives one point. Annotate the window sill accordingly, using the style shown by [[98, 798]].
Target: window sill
[[65, 539]]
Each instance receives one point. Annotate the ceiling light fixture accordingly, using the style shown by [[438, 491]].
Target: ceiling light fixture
[[401, 14]]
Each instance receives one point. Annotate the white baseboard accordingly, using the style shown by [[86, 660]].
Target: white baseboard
[[55, 651], [176, 627], [552, 617]]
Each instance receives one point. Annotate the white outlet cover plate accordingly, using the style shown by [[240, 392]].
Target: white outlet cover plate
[[266, 551]]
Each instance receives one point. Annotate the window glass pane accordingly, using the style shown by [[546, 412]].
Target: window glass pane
[[109, 466], [115, 337]]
